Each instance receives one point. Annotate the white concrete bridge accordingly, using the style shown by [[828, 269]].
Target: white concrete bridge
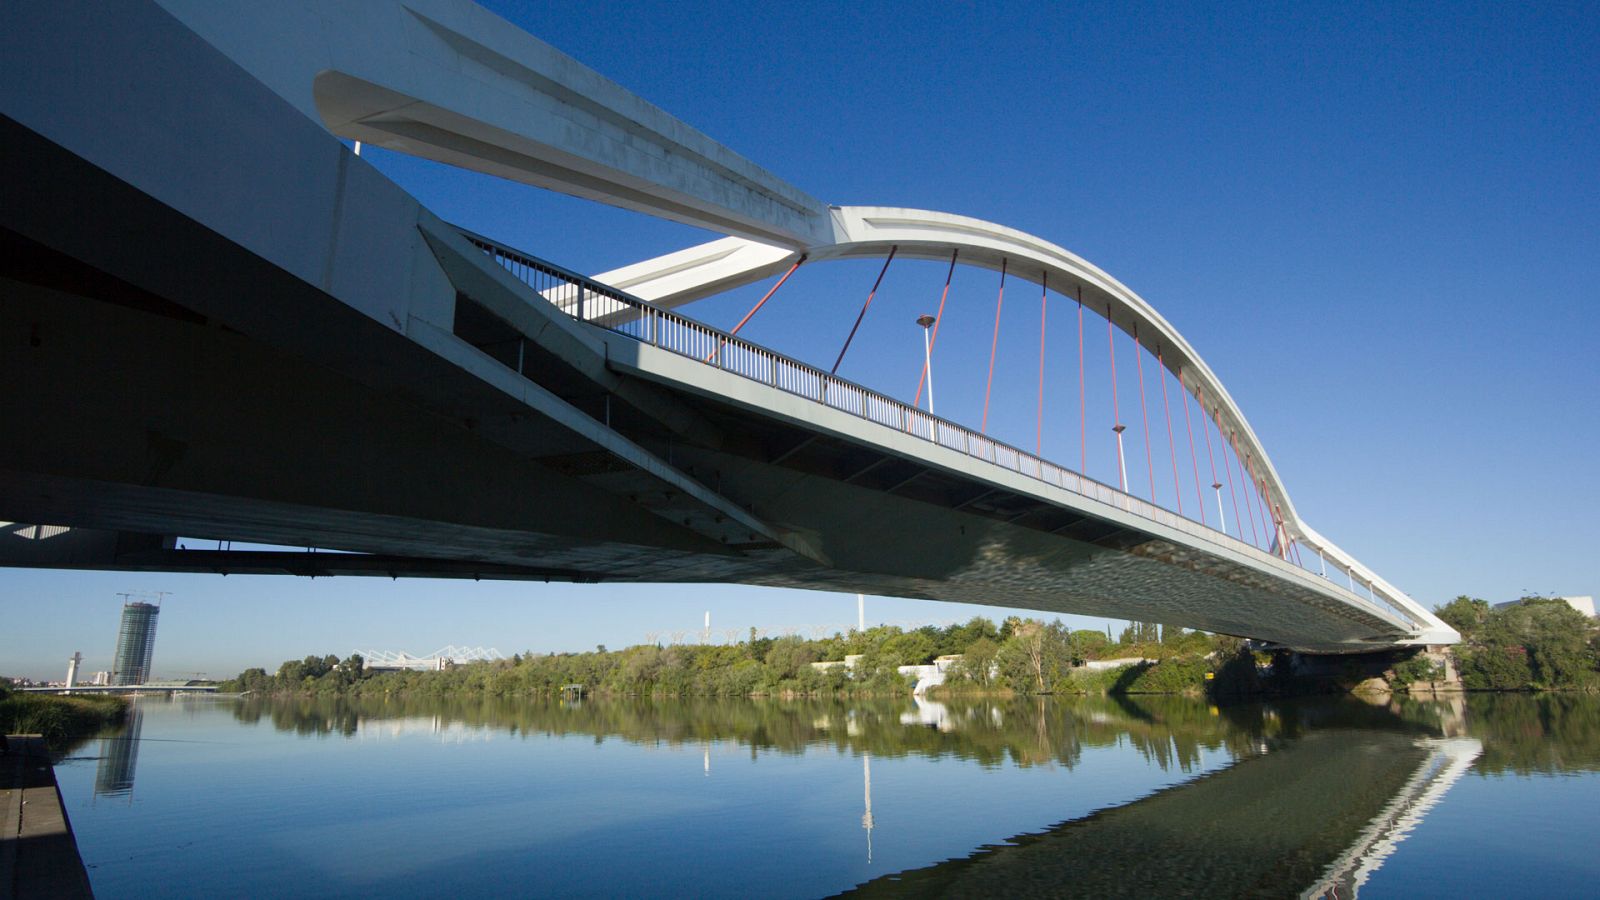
[[221, 323]]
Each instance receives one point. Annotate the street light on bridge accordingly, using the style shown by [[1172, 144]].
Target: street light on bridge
[[926, 321]]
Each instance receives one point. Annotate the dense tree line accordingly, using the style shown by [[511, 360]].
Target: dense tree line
[[1017, 655], [1537, 644]]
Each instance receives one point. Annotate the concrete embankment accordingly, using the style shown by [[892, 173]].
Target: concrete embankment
[[38, 854]]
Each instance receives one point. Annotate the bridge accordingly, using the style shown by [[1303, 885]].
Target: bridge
[[222, 323], [149, 687], [443, 658]]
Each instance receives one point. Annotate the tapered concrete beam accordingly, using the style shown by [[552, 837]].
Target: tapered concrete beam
[[450, 81]]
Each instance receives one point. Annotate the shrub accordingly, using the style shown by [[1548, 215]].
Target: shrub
[[1417, 668]]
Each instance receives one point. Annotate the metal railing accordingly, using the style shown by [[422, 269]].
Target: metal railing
[[590, 301]]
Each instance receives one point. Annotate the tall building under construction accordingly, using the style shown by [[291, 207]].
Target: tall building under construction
[[136, 643]]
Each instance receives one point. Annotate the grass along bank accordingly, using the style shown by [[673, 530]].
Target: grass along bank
[[61, 719]]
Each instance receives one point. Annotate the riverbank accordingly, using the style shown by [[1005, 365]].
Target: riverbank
[[1026, 655], [59, 719], [1534, 645]]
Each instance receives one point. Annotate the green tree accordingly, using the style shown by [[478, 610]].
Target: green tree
[[1464, 614], [978, 662], [914, 648], [1035, 654], [788, 655], [1088, 643]]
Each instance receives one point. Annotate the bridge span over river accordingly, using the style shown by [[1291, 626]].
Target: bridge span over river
[[220, 322]]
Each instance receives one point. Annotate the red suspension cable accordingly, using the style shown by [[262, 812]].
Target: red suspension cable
[[1172, 449], [1205, 428], [934, 338], [1283, 530], [1194, 459], [1038, 428], [1266, 513], [1116, 416], [763, 301], [1238, 522], [993, 344], [1083, 415], [1249, 510], [1263, 506], [1256, 483], [1144, 412], [863, 314], [1277, 539], [759, 303]]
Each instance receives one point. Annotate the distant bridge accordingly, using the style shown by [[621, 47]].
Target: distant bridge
[[439, 659], [154, 687], [223, 324]]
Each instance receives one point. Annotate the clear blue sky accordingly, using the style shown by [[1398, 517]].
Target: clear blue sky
[[1380, 226]]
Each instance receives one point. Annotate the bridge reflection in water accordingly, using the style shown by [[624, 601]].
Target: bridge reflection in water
[[1312, 816]]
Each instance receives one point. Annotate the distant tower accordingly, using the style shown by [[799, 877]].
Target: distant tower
[[72, 669], [136, 643], [861, 612]]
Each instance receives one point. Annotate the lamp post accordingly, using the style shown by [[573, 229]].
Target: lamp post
[[926, 321], [1122, 464]]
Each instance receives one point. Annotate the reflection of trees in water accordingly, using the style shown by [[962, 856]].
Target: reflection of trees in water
[[1527, 733], [1521, 733], [1028, 731], [305, 716]]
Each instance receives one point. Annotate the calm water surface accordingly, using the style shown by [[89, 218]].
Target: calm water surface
[[1491, 796]]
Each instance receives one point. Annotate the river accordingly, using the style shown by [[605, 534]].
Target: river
[[1156, 796]]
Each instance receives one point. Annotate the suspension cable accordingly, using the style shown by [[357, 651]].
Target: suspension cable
[[1238, 521], [1216, 486], [1289, 551], [1249, 510], [762, 302], [1277, 528], [934, 338], [1144, 412], [863, 314], [1194, 459], [1256, 484], [1116, 417], [1172, 449], [1263, 504], [1083, 414], [1038, 428], [994, 343], [759, 303]]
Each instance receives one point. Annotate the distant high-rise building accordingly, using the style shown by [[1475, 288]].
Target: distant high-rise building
[[136, 643]]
